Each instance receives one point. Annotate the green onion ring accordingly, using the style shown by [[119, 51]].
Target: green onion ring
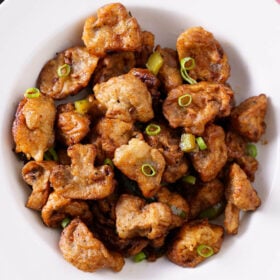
[[205, 251], [201, 143], [65, 222], [109, 162], [63, 70], [189, 179], [139, 257], [32, 93], [251, 150], [51, 154], [152, 129], [185, 100], [148, 170], [184, 69]]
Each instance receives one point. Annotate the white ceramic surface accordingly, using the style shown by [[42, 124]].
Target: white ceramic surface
[[32, 31]]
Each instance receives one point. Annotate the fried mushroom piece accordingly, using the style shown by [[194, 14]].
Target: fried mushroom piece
[[82, 64], [82, 180], [135, 218], [167, 142], [37, 174], [209, 162], [248, 117], [211, 63], [239, 190], [208, 101], [183, 250], [231, 220], [178, 205], [113, 29], [131, 160], [33, 125], [79, 247], [208, 195], [169, 73], [71, 126], [58, 208], [126, 98]]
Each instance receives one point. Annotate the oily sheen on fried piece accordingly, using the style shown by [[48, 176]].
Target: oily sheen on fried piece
[[33, 126], [82, 64], [79, 247], [211, 62]]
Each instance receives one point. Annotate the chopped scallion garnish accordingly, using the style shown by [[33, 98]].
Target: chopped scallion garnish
[[139, 257], [201, 143], [154, 63], [32, 93], [63, 70], [178, 211], [82, 106], [148, 170], [212, 212], [51, 154], [187, 143], [185, 100], [184, 69], [65, 222], [152, 129], [189, 179], [108, 161], [205, 251], [251, 150]]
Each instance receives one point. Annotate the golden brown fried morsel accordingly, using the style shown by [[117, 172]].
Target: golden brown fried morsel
[[239, 190], [169, 73], [37, 175], [79, 247], [126, 98], [135, 218], [167, 142], [112, 65], [208, 195], [82, 65], [183, 250], [211, 63], [248, 117], [148, 43], [113, 29], [71, 126], [209, 101], [82, 180], [231, 220], [178, 205], [32, 129], [209, 162], [58, 208], [130, 160]]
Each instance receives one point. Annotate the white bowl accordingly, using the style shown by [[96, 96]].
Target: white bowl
[[33, 31]]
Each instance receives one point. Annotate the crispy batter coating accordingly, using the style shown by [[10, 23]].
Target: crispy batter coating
[[248, 117], [179, 206], [209, 194], [113, 29], [209, 101], [231, 220], [183, 250], [33, 125], [58, 208], [208, 163], [37, 175], [167, 142], [82, 64], [126, 98], [211, 62], [239, 190], [82, 180], [79, 247], [130, 158], [71, 126], [169, 73], [134, 218]]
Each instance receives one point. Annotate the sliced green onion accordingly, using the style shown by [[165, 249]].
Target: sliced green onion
[[148, 170], [139, 257], [187, 143], [63, 70], [82, 106], [108, 161], [251, 150], [212, 212], [152, 129], [178, 211], [32, 93], [201, 143], [185, 68], [205, 251], [51, 154], [185, 100], [154, 63], [65, 222], [189, 179]]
